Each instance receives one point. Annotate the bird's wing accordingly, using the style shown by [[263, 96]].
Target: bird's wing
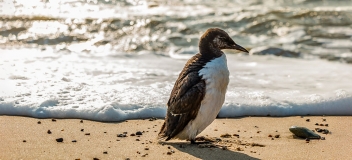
[[189, 89]]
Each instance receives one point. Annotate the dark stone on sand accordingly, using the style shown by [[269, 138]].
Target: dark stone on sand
[[277, 136], [137, 140], [39, 122], [121, 135], [54, 120], [226, 135], [59, 140], [273, 51], [24, 141], [74, 141], [87, 134], [81, 121], [82, 130], [124, 132], [127, 159], [146, 148], [152, 119], [303, 132], [318, 130], [270, 135], [95, 158], [139, 133], [49, 132], [317, 124], [307, 120], [168, 153], [105, 152], [132, 134], [326, 125]]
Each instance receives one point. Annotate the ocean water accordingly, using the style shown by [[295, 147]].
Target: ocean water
[[117, 60]]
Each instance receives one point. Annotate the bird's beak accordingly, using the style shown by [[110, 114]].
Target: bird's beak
[[238, 47]]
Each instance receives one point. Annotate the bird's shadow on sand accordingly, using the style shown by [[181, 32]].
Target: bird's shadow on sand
[[208, 153]]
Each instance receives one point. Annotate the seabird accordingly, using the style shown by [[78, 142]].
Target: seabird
[[199, 91]]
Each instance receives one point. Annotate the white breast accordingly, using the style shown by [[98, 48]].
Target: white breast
[[216, 75]]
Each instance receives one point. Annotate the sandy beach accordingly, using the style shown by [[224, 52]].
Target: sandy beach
[[29, 138]]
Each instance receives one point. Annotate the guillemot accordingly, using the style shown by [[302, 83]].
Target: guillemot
[[199, 91]]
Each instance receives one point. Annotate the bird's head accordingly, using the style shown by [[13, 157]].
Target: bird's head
[[218, 39]]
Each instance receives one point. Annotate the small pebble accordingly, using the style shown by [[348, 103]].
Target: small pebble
[[24, 141], [321, 124], [105, 152], [307, 139], [137, 140], [127, 159], [39, 122], [82, 130], [326, 125], [59, 140], [49, 132], [74, 141], [87, 134], [258, 131], [215, 129], [54, 120], [81, 121], [146, 148], [322, 138], [270, 135], [168, 147], [272, 138], [317, 124], [121, 135], [168, 153], [132, 134], [324, 119], [277, 136], [138, 152], [139, 133], [95, 158], [124, 132], [307, 120]]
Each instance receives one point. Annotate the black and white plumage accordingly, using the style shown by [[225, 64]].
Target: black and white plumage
[[199, 91]]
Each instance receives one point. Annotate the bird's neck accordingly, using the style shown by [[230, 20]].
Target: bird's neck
[[209, 50]]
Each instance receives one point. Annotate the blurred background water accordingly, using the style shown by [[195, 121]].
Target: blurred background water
[[111, 60], [319, 28]]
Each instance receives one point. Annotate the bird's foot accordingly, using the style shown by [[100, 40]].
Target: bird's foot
[[202, 142]]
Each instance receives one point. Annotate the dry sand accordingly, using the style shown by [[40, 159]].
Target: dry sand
[[103, 143]]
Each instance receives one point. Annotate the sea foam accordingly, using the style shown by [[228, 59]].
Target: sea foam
[[116, 88]]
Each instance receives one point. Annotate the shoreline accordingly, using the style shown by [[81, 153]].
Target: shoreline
[[237, 138]]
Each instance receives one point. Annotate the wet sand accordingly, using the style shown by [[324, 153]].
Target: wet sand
[[239, 138]]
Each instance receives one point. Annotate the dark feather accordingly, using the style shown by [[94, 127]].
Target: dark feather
[[185, 98]]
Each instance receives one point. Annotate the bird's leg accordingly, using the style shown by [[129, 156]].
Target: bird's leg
[[193, 141]]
